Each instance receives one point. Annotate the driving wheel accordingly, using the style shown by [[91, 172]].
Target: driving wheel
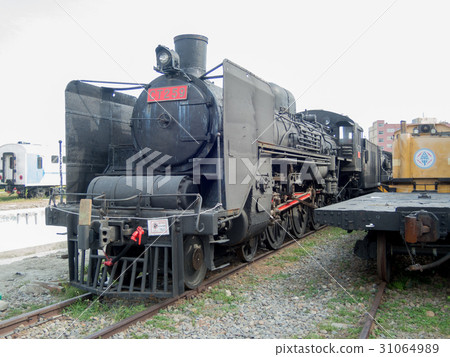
[[275, 233], [299, 220]]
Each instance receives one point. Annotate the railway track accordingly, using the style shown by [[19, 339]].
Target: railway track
[[370, 316], [153, 310], [39, 316], [46, 314]]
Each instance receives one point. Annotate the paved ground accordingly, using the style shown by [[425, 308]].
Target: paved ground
[[23, 232]]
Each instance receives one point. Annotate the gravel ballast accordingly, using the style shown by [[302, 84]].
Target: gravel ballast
[[322, 294], [32, 281]]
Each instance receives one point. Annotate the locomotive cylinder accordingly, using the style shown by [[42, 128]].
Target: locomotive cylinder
[[169, 192]]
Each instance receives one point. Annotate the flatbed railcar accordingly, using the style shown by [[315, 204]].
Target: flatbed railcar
[[412, 216]]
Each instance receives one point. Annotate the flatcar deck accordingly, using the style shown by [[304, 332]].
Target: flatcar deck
[[385, 211]]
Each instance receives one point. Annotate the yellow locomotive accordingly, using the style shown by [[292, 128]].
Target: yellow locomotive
[[421, 158], [412, 216]]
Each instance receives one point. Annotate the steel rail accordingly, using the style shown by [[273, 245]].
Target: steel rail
[[370, 316], [33, 317], [153, 310]]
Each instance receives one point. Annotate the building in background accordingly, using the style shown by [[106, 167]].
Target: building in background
[[382, 134], [424, 121]]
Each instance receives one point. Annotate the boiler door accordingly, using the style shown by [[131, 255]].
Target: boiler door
[[178, 128]]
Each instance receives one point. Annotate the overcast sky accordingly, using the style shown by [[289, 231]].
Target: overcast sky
[[369, 60]]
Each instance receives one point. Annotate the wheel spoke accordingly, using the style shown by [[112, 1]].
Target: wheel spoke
[[275, 233], [299, 220]]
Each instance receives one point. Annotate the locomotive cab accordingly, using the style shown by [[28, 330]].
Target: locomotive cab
[[349, 137]]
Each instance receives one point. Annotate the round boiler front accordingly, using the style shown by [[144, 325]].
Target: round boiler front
[[172, 116]]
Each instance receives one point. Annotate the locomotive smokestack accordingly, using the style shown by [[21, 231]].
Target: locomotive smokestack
[[192, 52]]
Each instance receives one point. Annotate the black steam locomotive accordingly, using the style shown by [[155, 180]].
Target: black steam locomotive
[[164, 187]]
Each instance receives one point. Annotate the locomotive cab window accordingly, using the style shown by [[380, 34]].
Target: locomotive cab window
[[55, 159], [39, 162], [345, 135]]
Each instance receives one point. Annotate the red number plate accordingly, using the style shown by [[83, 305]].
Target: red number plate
[[167, 93]]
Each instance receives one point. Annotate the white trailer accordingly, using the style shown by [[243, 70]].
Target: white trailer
[[31, 170]]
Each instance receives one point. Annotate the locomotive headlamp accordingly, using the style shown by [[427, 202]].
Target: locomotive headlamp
[[167, 61], [163, 57], [416, 131], [425, 128], [433, 131]]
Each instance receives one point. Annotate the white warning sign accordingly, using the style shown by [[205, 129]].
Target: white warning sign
[[158, 227]]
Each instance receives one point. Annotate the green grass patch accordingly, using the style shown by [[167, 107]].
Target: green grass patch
[[190, 305], [311, 290], [24, 308], [222, 294], [250, 280], [87, 310], [162, 322], [214, 302], [331, 233], [143, 336], [292, 255], [342, 299], [306, 246], [68, 291], [278, 276], [404, 280], [415, 303], [312, 336], [427, 318], [13, 197]]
